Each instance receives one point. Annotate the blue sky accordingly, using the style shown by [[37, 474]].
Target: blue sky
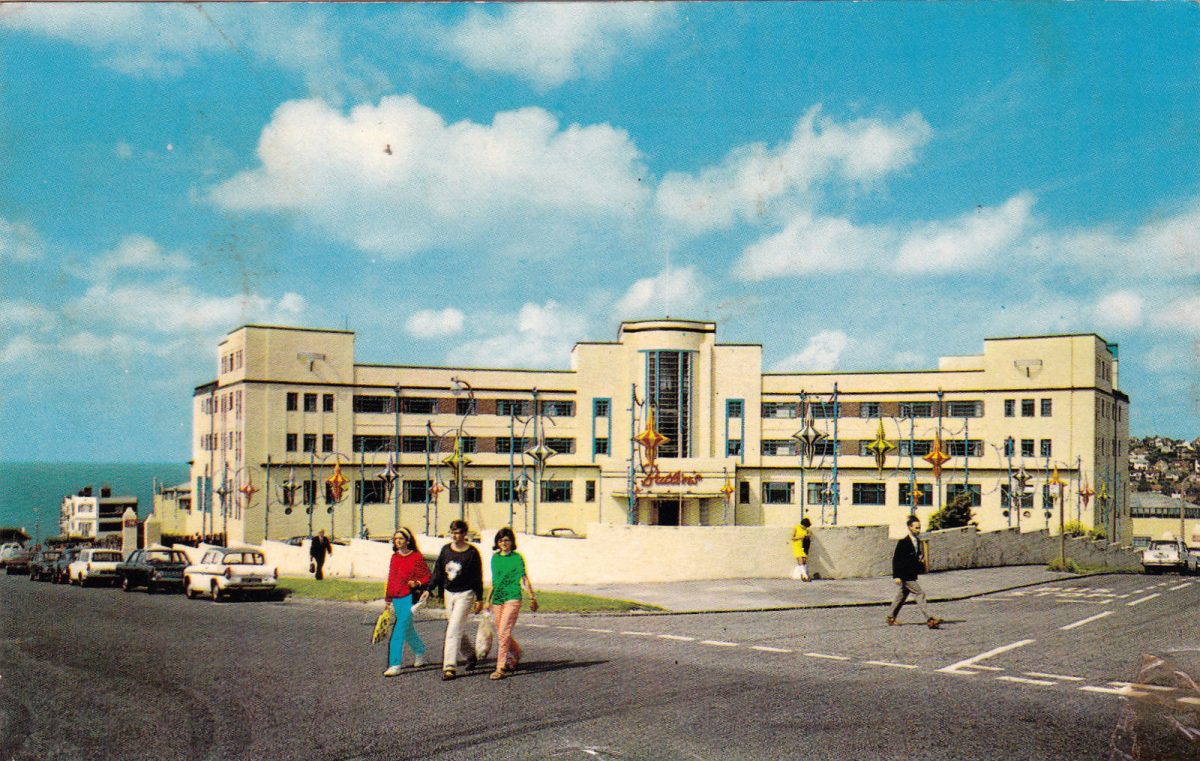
[[854, 186]]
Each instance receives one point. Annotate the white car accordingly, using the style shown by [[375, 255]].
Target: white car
[[7, 550], [94, 566], [225, 571], [1168, 555]]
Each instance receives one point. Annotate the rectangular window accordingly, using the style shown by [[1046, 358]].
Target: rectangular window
[[514, 445], [373, 443], [916, 409], [822, 410], [589, 491], [418, 406], [777, 493], [825, 448], [733, 448], [669, 394], [1045, 448], [289, 442], [600, 407], [924, 495], [1026, 408], [870, 409], [472, 490], [1047, 407], [600, 446], [965, 409], [1027, 447], [558, 408], [556, 491], [778, 448], [1010, 408], [960, 448], [743, 492], [914, 447], [869, 493], [1010, 447], [327, 402], [464, 407], [414, 491], [779, 409], [1047, 497], [374, 404], [468, 444], [370, 492], [953, 490], [734, 408], [504, 491], [414, 444], [292, 401], [327, 442], [310, 402], [310, 442], [818, 494], [561, 446], [513, 407], [310, 492]]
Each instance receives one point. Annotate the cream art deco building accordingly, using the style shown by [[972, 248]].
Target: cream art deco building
[[664, 426]]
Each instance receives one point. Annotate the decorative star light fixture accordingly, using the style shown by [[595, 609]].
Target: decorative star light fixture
[[248, 489], [809, 436], [1103, 495], [435, 490], [650, 439], [1086, 493], [936, 457], [540, 454], [389, 474], [880, 448], [727, 490], [289, 489], [457, 461], [337, 483]]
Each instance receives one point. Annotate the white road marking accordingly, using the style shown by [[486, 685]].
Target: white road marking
[[1054, 676], [639, 634], [1180, 586], [987, 668], [601, 631], [677, 637], [1189, 701], [829, 657], [766, 649], [889, 664], [1110, 691], [575, 628], [1087, 620], [535, 626], [1143, 599], [718, 643], [969, 662], [1132, 685], [1023, 680]]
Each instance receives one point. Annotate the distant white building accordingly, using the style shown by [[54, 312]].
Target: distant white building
[[91, 515]]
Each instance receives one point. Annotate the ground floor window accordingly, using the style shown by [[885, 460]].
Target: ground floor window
[[777, 493], [869, 493], [924, 495], [472, 491], [370, 492], [415, 491], [953, 490], [556, 491]]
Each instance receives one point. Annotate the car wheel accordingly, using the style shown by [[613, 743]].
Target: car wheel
[[215, 592], [188, 592], [125, 585]]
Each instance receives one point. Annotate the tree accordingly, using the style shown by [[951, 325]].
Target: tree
[[956, 514]]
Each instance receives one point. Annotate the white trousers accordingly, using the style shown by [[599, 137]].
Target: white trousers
[[458, 646]]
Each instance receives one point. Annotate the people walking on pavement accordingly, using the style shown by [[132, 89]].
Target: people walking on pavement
[[318, 548], [907, 564], [407, 575], [459, 572], [508, 576], [801, 539]]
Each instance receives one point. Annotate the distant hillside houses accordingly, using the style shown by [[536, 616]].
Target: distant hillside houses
[[1165, 465]]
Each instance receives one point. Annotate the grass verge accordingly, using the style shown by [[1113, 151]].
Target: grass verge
[[350, 590]]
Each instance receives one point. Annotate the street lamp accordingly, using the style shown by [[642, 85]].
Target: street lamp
[[396, 455], [459, 460]]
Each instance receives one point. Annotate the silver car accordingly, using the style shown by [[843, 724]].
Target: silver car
[[1168, 555]]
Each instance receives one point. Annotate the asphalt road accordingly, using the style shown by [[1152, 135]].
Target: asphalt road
[[1095, 668]]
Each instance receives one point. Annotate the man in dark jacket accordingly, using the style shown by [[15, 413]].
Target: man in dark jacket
[[317, 550], [907, 564]]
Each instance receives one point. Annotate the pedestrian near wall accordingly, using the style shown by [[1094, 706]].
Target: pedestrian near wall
[[407, 574], [801, 539], [508, 577], [318, 548], [459, 572], [908, 563]]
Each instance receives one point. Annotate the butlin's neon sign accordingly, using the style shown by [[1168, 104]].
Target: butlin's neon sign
[[652, 476]]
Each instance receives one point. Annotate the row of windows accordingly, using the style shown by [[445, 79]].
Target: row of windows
[[211, 442], [1045, 448], [310, 402], [904, 447], [222, 403], [1107, 410], [231, 361], [468, 444], [1028, 406], [861, 493], [375, 491], [735, 408], [504, 407]]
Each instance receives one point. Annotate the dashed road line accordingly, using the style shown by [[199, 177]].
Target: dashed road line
[[535, 626], [1135, 685], [1189, 701], [600, 631], [1180, 586], [677, 637], [1143, 599], [889, 664], [971, 662], [827, 656], [718, 643], [1060, 677], [766, 649], [1113, 691], [572, 628], [1087, 620], [639, 634], [1023, 680]]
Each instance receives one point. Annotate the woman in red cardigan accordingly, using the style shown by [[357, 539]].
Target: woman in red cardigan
[[407, 574]]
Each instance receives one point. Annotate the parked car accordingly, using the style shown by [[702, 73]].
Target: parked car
[[41, 566], [1168, 555], [7, 550], [94, 566], [60, 574], [153, 569], [225, 571], [18, 562]]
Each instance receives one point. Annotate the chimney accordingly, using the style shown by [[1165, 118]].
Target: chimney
[[106, 491]]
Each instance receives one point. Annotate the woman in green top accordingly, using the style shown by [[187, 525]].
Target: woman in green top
[[508, 576]]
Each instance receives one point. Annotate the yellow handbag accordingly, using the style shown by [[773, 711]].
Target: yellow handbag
[[384, 625]]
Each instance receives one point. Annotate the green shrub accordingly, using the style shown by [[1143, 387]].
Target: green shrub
[[956, 514]]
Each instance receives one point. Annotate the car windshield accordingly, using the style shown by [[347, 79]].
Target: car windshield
[[1162, 545], [244, 558], [165, 556], [106, 556]]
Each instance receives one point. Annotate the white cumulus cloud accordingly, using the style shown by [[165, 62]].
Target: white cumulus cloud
[[19, 242], [177, 308], [969, 242], [552, 43], [813, 245], [676, 291], [821, 354], [753, 178], [396, 179], [1182, 314], [1119, 309], [434, 322], [140, 254], [540, 335]]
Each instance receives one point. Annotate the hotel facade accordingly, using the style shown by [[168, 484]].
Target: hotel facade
[[662, 426]]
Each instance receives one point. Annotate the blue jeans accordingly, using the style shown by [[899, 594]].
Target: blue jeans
[[404, 632]]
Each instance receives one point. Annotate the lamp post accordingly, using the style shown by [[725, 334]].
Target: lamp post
[[396, 455], [223, 492], [1062, 534], [389, 476], [1009, 444], [458, 388]]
